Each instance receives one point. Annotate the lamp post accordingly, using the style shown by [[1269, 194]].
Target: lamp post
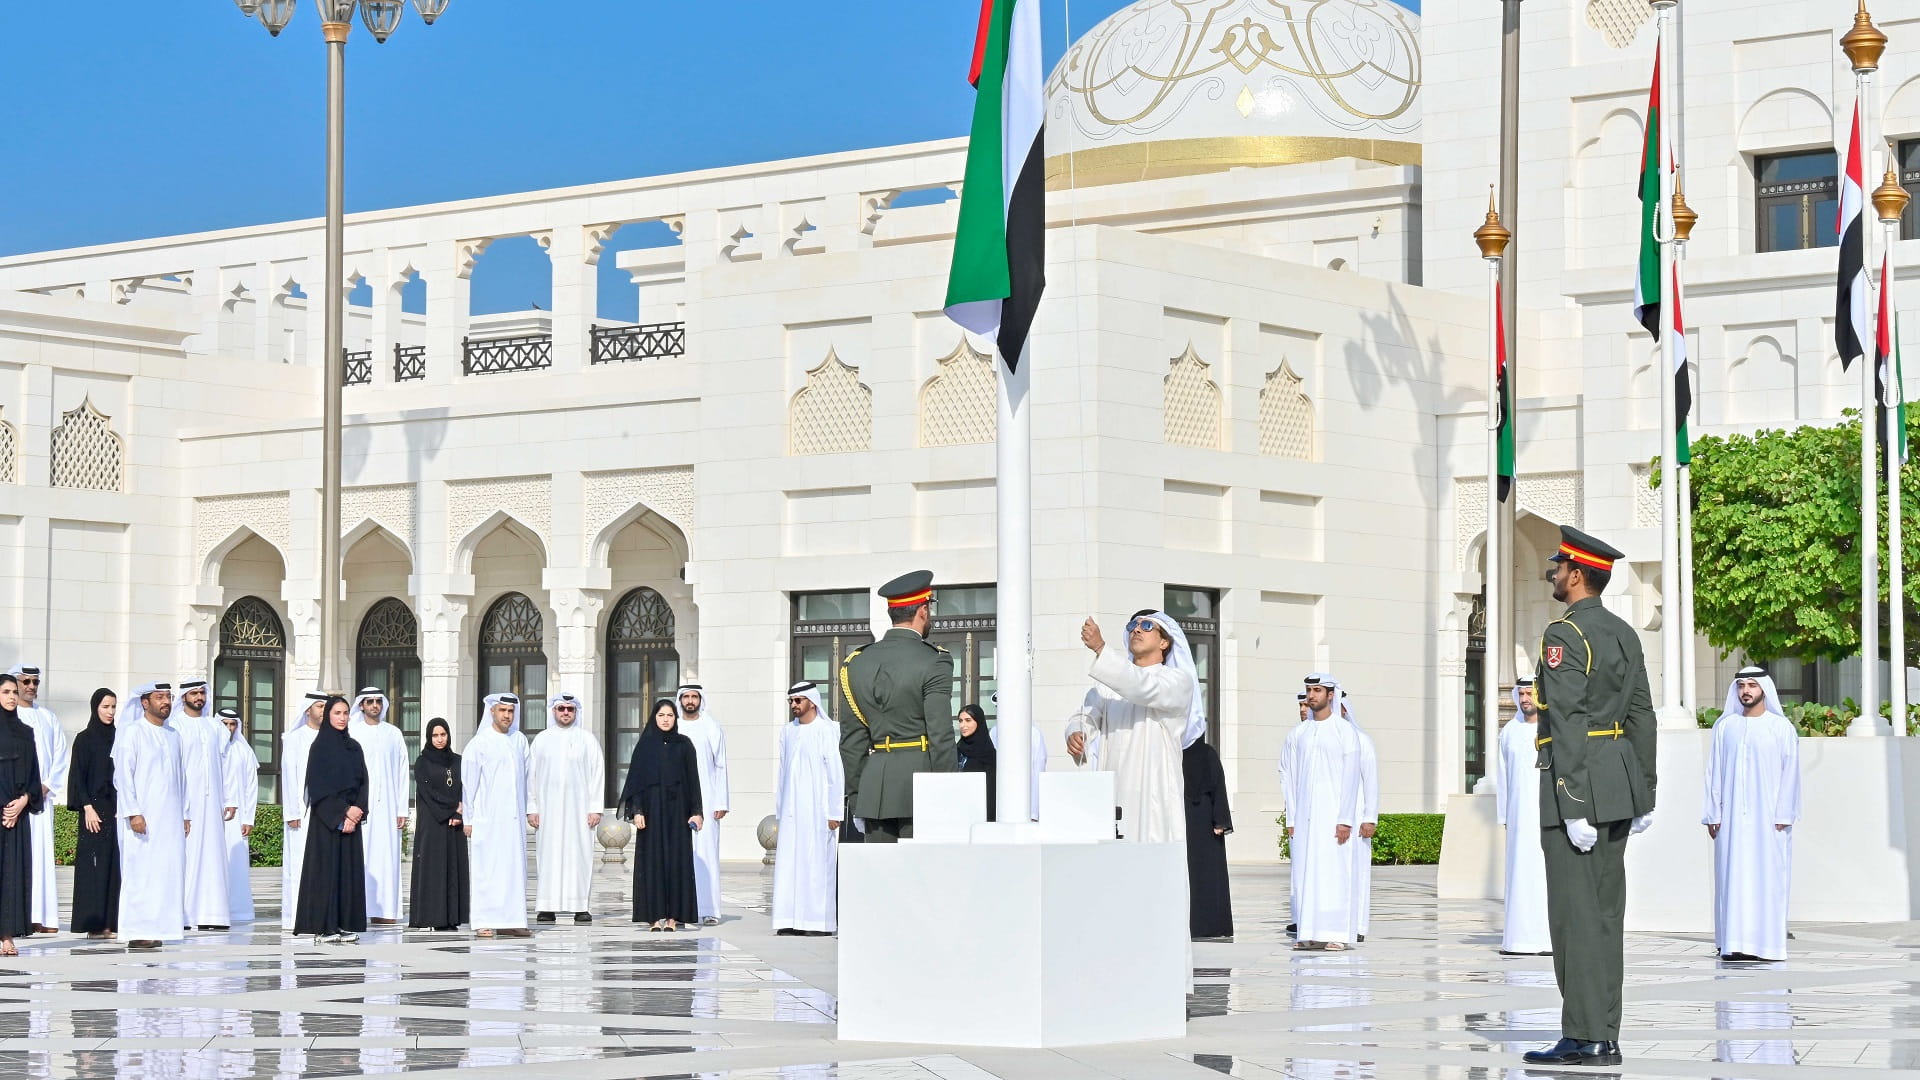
[[381, 17]]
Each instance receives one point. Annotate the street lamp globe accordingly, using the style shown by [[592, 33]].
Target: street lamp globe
[[382, 16], [276, 14], [248, 7], [429, 9], [336, 11]]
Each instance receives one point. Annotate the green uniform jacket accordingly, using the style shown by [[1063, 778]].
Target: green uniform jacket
[[1596, 740], [901, 688]]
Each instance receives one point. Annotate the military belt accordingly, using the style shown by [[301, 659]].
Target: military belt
[[1538, 743], [911, 744], [1607, 733]]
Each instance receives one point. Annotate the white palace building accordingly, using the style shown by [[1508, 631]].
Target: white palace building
[[1259, 384]]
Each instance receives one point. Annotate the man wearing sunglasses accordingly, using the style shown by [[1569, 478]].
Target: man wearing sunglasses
[[50, 745], [1146, 698]]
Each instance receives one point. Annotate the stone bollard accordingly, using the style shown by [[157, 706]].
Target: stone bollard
[[614, 836], [769, 836]]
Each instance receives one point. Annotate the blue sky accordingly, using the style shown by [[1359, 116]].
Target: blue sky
[[156, 118]]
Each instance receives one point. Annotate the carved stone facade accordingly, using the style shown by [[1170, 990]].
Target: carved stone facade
[[958, 406], [9, 454], [86, 451], [609, 495], [833, 413], [526, 499], [1619, 21], [1557, 497], [216, 517], [1646, 498], [1192, 401], [393, 507], [1286, 416]]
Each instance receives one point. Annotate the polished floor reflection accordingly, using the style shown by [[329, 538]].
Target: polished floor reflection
[[1427, 996]]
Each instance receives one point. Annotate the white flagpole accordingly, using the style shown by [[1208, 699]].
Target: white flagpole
[[1492, 238], [1889, 202], [1689, 644], [1013, 657], [1670, 622], [1863, 46]]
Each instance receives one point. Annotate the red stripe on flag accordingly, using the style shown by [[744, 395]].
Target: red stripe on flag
[[980, 43], [1653, 108], [1882, 339], [1855, 174]]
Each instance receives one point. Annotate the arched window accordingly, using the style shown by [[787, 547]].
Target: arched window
[[387, 655], [247, 678], [512, 660], [642, 666]]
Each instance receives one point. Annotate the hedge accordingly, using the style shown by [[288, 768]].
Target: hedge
[[264, 840], [1400, 839]]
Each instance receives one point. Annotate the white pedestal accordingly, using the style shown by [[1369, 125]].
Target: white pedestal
[[1670, 866], [1472, 852], [1854, 851], [1088, 943]]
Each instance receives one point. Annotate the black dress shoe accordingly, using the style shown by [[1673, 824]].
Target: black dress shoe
[[544, 916], [582, 918], [1575, 1052]]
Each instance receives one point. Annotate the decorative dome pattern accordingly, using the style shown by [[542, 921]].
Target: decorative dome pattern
[[1176, 87]]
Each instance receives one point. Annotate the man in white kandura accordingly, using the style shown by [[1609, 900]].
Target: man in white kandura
[[389, 783], [1516, 802], [241, 765], [1752, 802], [809, 797], [493, 779], [294, 746], [1152, 697], [567, 783], [51, 747], [710, 750], [150, 787], [1368, 815], [1322, 778], [203, 739]]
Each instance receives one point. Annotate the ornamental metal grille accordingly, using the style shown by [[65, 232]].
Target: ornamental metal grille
[[359, 367], [251, 629], [9, 454], [494, 355], [86, 452], [642, 617], [618, 344], [1192, 403], [512, 625], [389, 632], [409, 363]]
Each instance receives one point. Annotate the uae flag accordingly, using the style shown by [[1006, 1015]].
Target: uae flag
[[1504, 394], [1889, 389], [1646, 284], [999, 251], [1647, 298], [1850, 313]]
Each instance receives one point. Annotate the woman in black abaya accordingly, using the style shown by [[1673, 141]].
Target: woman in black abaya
[[333, 884], [440, 885], [1210, 905], [975, 750], [96, 858], [20, 795], [662, 799]]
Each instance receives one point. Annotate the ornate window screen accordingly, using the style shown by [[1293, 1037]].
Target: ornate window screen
[[833, 413], [512, 624], [957, 407], [1192, 403], [642, 617], [86, 452], [1286, 416], [389, 631], [9, 454], [251, 628]]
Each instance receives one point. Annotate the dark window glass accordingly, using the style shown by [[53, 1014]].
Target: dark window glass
[[1796, 201], [964, 624], [642, 667], [1909, 152], [387, 656], [1197, 612], [248, 676], [512, 659], [826, 627]]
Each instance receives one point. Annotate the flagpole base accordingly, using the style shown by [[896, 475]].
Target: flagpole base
[[1676, 718]]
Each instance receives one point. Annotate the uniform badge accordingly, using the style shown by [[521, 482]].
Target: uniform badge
[[1555, 654]]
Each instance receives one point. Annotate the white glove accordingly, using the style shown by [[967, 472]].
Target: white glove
[[1583, 835], [1641, 823]]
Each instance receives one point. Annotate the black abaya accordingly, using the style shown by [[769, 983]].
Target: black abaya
[[19, 775], [441, 889], [96, 856], [1210, 904], [333, 877], [976, 753], [663, 786]]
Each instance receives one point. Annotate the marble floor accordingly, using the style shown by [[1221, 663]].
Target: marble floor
[[1426, 996]]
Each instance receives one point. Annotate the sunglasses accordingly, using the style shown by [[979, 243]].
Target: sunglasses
[[30, 681], [1140, 624], [564, 708]]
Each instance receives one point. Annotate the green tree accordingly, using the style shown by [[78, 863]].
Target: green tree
[[1776, 531]]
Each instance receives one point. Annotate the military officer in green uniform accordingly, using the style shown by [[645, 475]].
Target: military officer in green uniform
[[1596, 760], [901, 692]]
